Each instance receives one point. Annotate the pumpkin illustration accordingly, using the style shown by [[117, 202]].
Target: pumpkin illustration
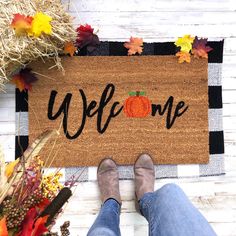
[[137, 105]]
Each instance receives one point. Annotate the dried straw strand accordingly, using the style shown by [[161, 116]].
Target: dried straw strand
[[18, 51]]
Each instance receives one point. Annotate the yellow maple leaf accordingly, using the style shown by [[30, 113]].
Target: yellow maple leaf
[[134, 46], [69, 48], [10, 168], [185, 43], [183, 56], [41, 24]]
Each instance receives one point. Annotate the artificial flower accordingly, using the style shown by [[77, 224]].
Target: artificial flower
[[185, 43], [50, 185], [3, 227], [10, 168], [24, 79], [134, 46], [183, 56], [21, 24], [87, 38], [200, 49], [41, 24], [32, 225], [39, 226]]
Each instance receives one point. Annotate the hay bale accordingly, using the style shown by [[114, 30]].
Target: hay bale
[[17, 51]]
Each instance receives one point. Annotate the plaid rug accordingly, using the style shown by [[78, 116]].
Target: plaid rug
[[216, 135]]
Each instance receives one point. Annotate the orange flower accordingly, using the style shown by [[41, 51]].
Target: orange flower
[[3, 227], [21, 23]]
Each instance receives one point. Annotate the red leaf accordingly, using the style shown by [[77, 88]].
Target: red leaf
[[24, 79], [85, 28], [43, 204], [21, 23], [30, 227], [28, 222], [86, 38], [39, 226], [200, 49]]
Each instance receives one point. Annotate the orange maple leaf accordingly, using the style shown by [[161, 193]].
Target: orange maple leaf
[[17, 80], [3, 227], [183, 56], [134, 46], [21, 23], [199, 53], [32, 225], [39, 226], [69, 48], [24, 79]]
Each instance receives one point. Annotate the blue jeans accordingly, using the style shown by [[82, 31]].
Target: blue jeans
[[167, 210]]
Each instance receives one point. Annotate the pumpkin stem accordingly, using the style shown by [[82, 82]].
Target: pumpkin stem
[[140, 93], [132, 93]]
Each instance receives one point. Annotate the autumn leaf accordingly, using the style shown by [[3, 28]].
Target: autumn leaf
[[21, 24], [200, 49], [24, 79], [69, 48], [41, 24], [17, 80], [28, 222], [31, 226], [134, 46], [10, 168], [183, 56], [43, 204], [3, 227], [185, 43], [39, 226], [87, 38]]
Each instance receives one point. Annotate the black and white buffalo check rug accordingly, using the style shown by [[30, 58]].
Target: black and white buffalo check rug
[[216, 136]]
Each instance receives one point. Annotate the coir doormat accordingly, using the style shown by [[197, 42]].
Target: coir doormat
[[122, 106]]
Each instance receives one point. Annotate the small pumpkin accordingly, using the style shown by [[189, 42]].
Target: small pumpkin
[[137, 105]]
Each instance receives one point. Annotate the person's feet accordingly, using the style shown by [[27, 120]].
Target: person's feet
[[108, 180], [144, 175]]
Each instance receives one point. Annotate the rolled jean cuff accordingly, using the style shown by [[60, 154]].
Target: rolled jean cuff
[[113, 204], [145, 201]]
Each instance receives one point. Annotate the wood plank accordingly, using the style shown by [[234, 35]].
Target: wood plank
[[224, 229], [135, 19], [142, 6], [152, 33]]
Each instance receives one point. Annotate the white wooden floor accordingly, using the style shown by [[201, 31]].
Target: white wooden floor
[[155, 20]]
